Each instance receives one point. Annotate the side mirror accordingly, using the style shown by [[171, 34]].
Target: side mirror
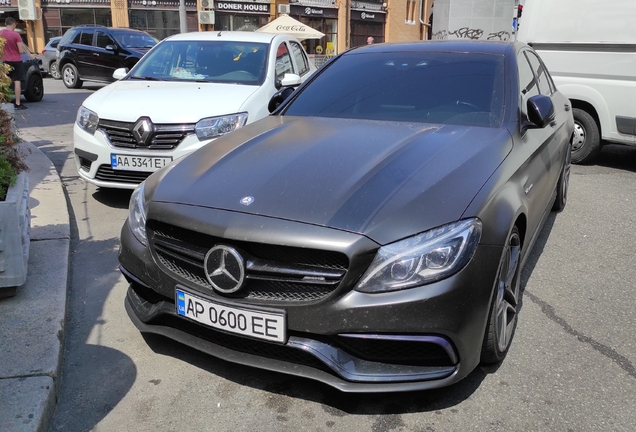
[[289, 80], [540, 111], [111, 48], [120, 73], [278, 98]]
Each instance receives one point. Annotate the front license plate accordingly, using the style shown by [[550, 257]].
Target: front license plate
[[138, 163], [249, 322]]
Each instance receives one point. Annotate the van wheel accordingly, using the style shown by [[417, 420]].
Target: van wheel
[[70, 77], [34, 91], [586, 141]]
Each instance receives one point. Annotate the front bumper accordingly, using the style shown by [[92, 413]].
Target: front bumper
[[447, 317], [93, 158]]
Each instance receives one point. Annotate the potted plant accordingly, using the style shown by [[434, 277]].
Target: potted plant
[[14, 195]]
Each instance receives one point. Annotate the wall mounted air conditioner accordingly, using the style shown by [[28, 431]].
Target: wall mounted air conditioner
[[283, 9], [27, 10], [207, 4], [206, 17]]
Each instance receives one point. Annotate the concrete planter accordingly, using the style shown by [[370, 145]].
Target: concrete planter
[[15, 231]]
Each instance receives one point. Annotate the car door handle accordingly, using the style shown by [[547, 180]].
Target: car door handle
[[567, 107], [96, 54]]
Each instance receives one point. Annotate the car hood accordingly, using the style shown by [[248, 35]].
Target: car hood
[[167, 102], [385, 180]]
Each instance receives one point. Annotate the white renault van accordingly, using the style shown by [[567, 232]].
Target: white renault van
[[187, 91], [589, 47]]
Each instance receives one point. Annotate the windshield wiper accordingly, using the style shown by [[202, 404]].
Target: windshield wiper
[[145, 78]]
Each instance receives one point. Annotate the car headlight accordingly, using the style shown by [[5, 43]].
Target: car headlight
[[87, 120], [137, 214], [422, 259], [213, 127]]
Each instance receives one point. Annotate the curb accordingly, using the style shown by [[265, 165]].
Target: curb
[[32, 323]]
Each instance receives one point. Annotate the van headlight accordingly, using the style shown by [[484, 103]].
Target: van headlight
[[87, 120], [422, 259], [213, 127], [137, 212]]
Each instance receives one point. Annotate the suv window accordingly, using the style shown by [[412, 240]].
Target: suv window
[[301, 59], [103, 39], [87, 37], [74, 37]]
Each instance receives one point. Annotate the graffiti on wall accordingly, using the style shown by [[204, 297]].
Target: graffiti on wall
[[500, 35], [468, 33]]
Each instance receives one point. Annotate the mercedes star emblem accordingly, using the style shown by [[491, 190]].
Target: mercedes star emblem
[[224, 268], [247, 200]]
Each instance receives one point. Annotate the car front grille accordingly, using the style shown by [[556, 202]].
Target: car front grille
[[163, 137], [273, 273], [108, 174]]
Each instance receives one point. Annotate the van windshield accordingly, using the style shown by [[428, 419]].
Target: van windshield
[[205, 61]]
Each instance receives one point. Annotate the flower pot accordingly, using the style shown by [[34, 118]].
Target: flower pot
[[15, 227]]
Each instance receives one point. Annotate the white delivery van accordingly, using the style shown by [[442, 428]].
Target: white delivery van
[[589, 47]]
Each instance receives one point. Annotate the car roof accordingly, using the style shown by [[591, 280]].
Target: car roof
[[243, 36], [470, 46]]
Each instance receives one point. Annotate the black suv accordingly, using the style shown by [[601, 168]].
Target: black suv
[[93, 52]]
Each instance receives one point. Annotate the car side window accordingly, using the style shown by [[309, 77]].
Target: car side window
[[540, 71], [103, 39], [301, 59], [283, 61], [87, 37], [528, 85]]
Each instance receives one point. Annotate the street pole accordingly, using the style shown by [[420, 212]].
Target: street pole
[[183, 23]]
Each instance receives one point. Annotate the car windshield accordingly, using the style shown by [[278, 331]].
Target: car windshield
[[208, 61], [135, 39], [414, 86]]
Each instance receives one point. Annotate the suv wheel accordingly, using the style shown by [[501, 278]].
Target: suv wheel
[[53, 71], [70, 76], [34, 91]]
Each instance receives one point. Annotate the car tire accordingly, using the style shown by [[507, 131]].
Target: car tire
[[587, 139], [34, 91], [53, 70], [505, 304], [70, 76], [563, 184]]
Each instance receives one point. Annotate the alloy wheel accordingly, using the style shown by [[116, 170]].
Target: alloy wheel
[[508, 287]]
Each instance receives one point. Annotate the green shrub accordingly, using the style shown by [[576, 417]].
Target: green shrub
[[7, 176]]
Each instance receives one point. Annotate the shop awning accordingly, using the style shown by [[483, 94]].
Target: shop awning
[[287, 25]]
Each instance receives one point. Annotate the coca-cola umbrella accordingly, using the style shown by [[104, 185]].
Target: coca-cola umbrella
[[287, 25]]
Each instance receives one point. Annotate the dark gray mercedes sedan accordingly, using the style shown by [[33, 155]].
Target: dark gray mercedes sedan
[[370, 233]]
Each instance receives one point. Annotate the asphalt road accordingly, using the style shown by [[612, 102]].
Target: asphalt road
[[570, 368]]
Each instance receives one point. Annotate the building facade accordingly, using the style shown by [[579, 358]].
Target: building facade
[[345, 23]]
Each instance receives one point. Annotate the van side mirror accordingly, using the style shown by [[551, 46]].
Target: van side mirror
[[278, 98], [540, 111]]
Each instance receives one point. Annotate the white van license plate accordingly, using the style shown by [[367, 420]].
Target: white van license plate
[[248, 322], [138, 163]]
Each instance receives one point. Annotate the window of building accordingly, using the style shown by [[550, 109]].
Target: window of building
[[58, 21], [410, 12], [160, 23], [361, 30]]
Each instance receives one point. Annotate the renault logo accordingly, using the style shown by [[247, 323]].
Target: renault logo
[[224, 268], [142, 131]]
